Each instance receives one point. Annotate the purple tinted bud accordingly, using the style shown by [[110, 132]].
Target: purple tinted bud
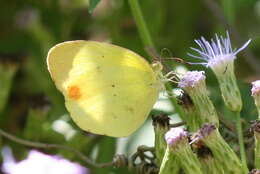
[[255, 88], [216, 51], [206, 130], [191, 79], [174, 135]]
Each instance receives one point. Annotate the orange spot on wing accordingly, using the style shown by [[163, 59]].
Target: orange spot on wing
[[74, 92]]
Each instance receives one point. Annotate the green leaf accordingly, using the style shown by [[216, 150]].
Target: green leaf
[[7, 73], [92, 5]]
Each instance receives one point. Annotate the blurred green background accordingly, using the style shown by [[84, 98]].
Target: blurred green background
[[32, 108]]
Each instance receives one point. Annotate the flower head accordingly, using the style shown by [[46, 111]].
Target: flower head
[[256, 95], [216, 52], [179, 153], [193, 82], [254, 171], [191, 79], [256, 88], [39, 163], [206, 130], [174, 135]]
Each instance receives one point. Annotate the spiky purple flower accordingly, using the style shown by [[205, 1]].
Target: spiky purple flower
[[216, 52], [219, 56]]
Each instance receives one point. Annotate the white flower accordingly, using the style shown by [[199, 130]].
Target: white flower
[[256, 94], [191, 79], [216, 52], [174, 135], [39, 163], [255, 88], [193, 82]]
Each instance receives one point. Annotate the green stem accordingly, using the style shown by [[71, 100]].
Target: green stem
[[257, 150], [241, 142], [147, 40], [87, 160], [141, 25], [169, 163], [258, 109]]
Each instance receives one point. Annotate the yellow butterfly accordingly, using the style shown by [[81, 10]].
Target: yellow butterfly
[[108, 89]]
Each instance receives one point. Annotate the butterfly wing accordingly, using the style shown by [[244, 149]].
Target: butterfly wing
[[108, 90]]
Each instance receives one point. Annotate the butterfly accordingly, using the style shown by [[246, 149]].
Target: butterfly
[[108, 90]]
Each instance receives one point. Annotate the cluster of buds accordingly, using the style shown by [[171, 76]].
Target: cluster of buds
[[206, 151]]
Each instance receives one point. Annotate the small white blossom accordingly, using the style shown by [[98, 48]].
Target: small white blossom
[[216, 52], [256, 88], [191, 79], [39, 163], [193, 82], [174, 135]]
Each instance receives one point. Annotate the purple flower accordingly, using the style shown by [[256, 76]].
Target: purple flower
[[255, 88], [191, 79], [216, 52], [174, 135], [39, 163], [256, 95]]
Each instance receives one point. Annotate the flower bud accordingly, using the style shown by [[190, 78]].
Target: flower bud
[[219, 56], [193, 82], [256, 94], [179, 147], [256, 128], [161, 126], [221, 151]]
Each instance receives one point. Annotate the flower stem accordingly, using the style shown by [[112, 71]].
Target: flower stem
[[241, 142], [147, 40], [39, 145], [169, 163], [257, 150], [141, 25]]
